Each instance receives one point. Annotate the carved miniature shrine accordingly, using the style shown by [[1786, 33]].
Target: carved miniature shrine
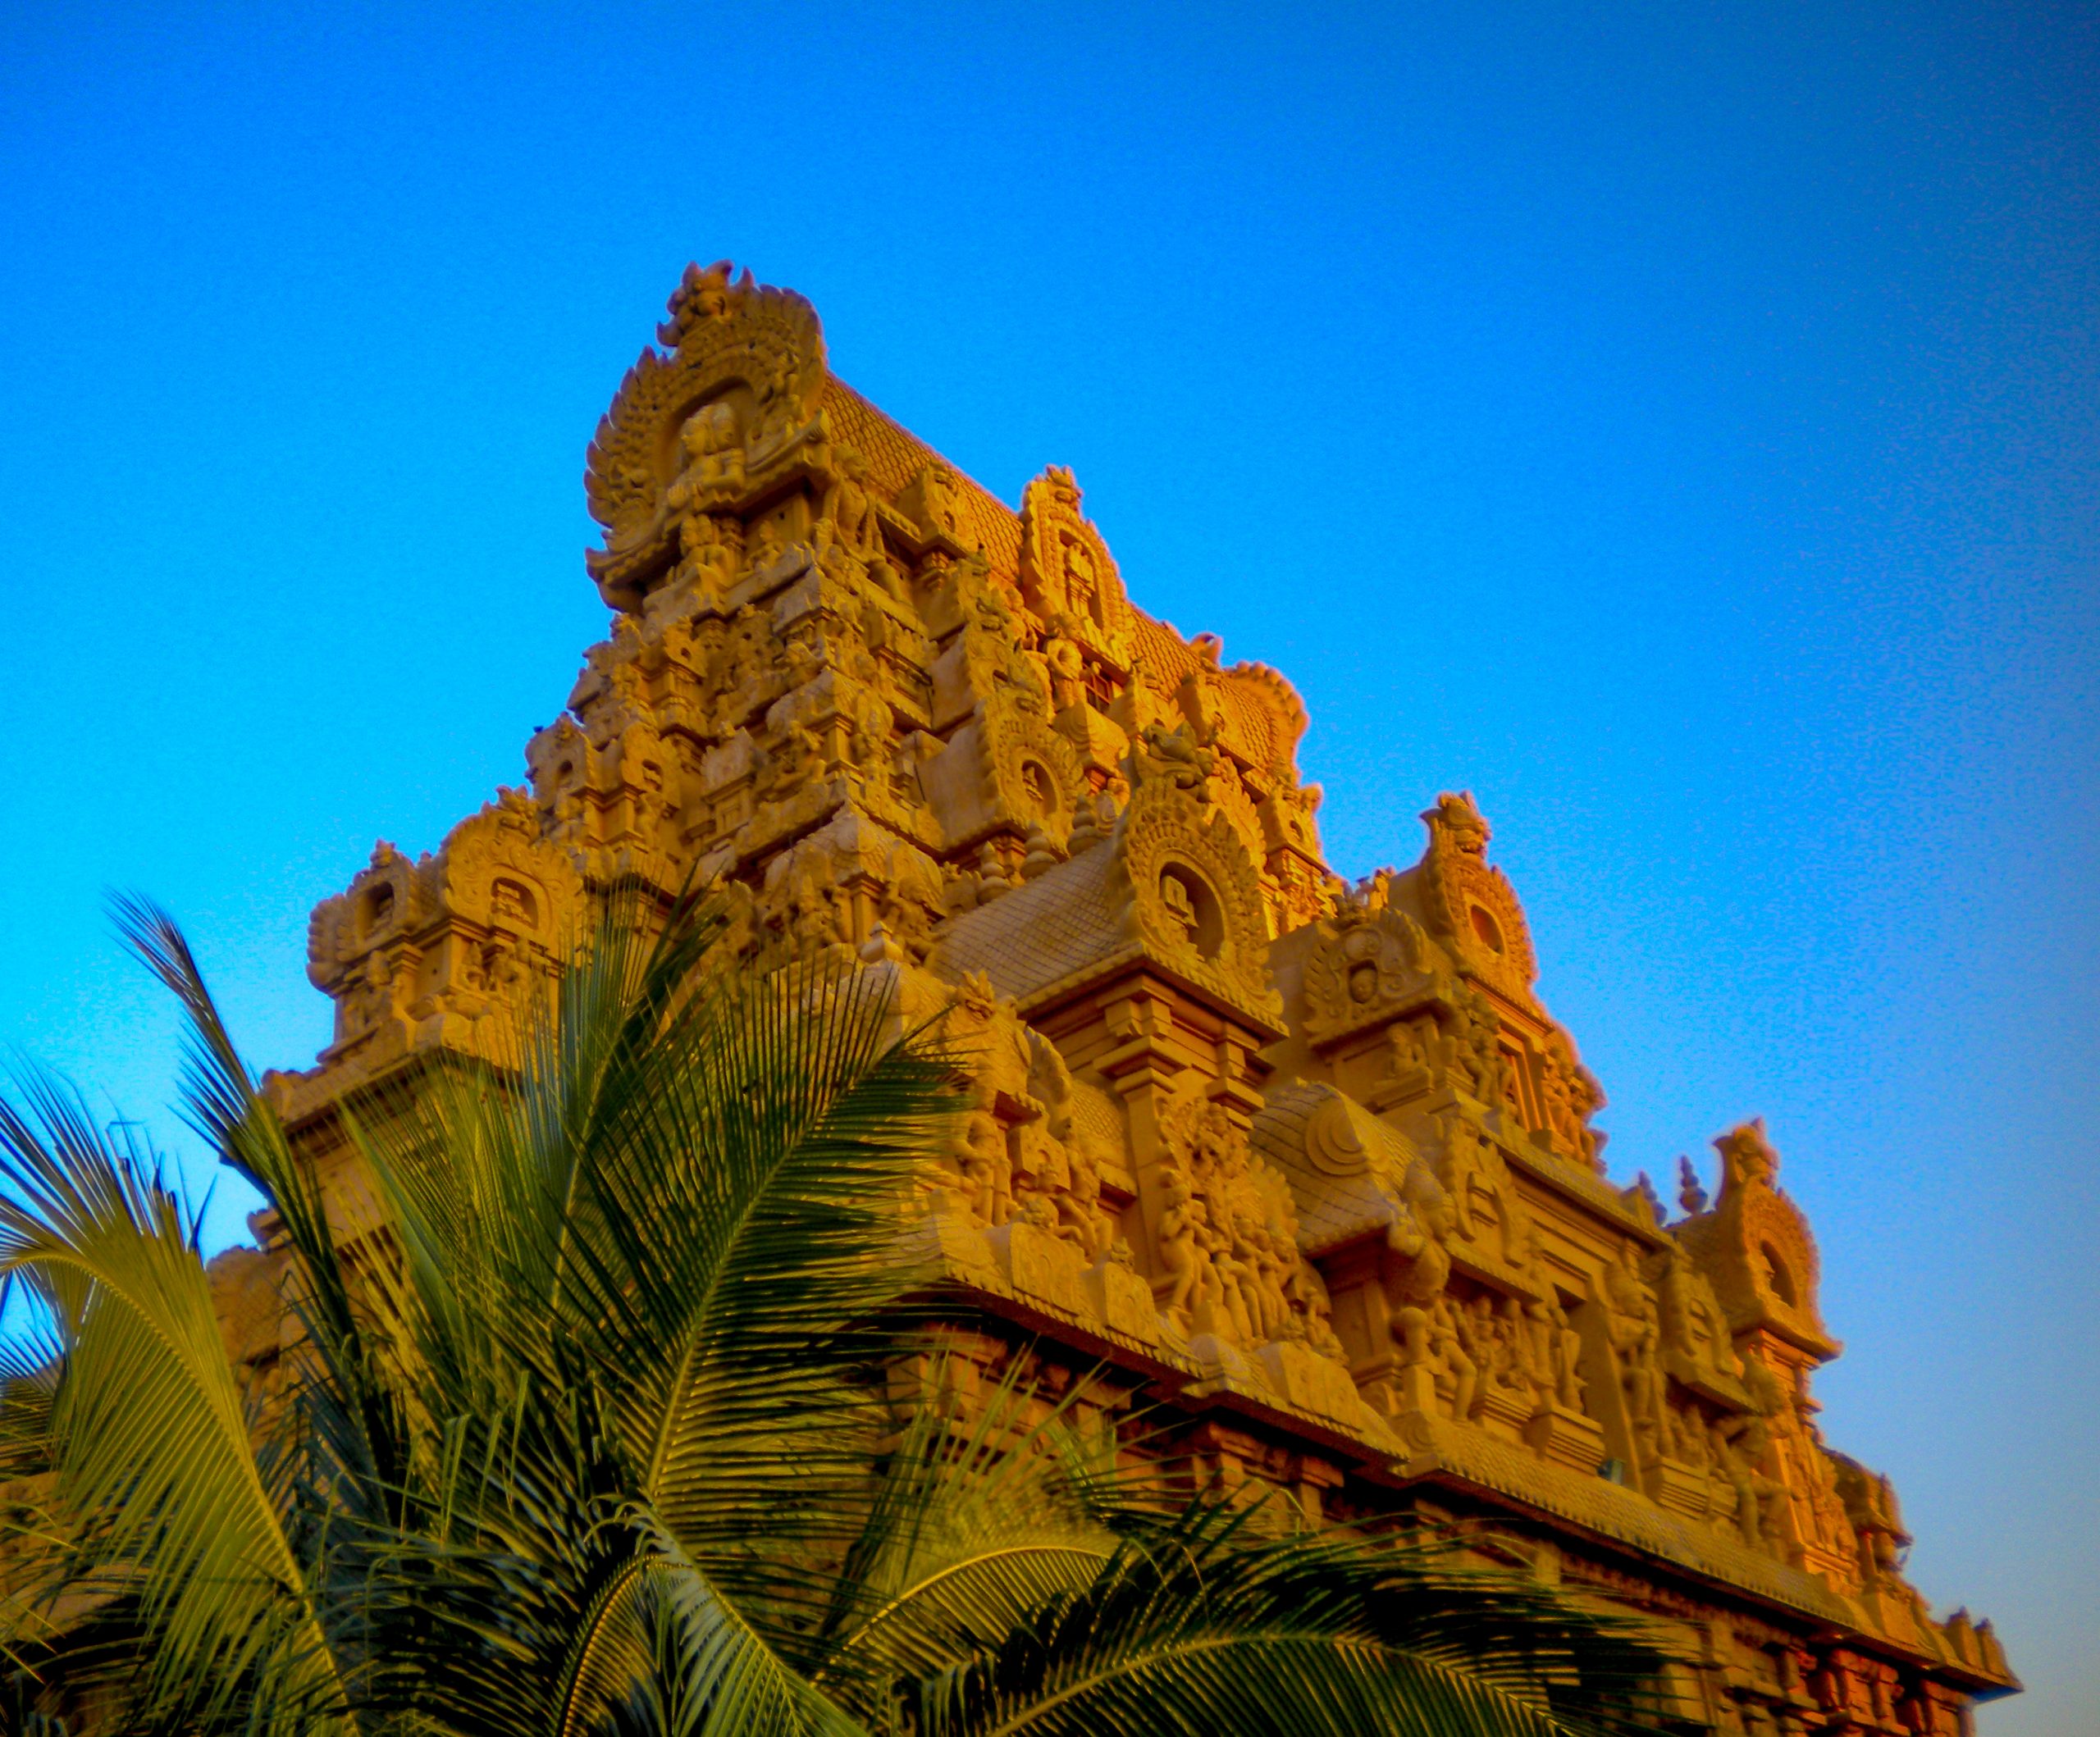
[[1308, 1167]]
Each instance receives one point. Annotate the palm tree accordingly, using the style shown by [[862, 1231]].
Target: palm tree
[[603, 1423]]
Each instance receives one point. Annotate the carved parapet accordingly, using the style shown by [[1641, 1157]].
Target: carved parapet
[[1755, 1247]]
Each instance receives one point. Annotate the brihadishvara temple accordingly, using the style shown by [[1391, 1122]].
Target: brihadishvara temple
[[1301, 1170]]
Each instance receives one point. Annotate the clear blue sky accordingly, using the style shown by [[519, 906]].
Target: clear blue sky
[[1679, 425]]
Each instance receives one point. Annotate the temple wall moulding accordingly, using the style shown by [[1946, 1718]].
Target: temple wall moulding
[[1310, 1162]]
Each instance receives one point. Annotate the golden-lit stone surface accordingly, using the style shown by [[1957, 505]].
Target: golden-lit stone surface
[[1307, 1163]]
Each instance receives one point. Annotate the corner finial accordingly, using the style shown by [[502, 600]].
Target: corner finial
[[1691, 1193]]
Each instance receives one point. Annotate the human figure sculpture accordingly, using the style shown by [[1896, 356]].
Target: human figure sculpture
[[1686, 1329], [986, 1170], [1463, 1168], [1239, 1217], [1079, 1204], [1311, 1316], [1228, 1274], [1477, 1328], [1423, 1324], [799, 759], [713, 454], [1065, 663], [848, 519], [1447, 1351], [1477, 1053], [1182, 1248], [1743, 1445], [1539, 1345], [1566, 1356], [1635, 1336], [1257, 1269], [709, 560]]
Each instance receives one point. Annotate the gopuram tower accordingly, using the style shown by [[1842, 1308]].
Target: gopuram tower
[[1308, 1167]]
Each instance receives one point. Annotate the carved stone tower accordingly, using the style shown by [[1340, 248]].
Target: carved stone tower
[[1308, 1165]]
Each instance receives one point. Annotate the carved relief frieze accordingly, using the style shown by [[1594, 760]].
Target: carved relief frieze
[[1228, 1240]]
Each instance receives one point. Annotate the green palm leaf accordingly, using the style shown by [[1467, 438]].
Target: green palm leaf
[[157, 1474]]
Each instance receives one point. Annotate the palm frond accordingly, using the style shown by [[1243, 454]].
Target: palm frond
[[358, 1425], [1200, 1625], [149, 1436]]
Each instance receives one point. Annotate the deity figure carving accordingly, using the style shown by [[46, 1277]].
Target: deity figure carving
[[847, 519], [1556, 1350], [1636, 1335], [988, 655], [1573, 1097], [1025, 1102], [1742, 1453], [1486, 1209], [1082, 588], [708, 556], [712, 447], [932, 501], [1695, 1331], [1476, 1049], [1436, 1360], [1173, 757], [1064, 566], [798, 759], [1377, 959], [1065, 663], [983, 1172], [1185, 1241], [1229, 1239]]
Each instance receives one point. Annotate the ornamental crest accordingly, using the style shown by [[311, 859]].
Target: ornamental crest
[[387, 900], [1471, 904], [1755, 1245], [1376, 964], [1196, 897], [1066, 570], [495, 873], [690, 427], [1033, 773]]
